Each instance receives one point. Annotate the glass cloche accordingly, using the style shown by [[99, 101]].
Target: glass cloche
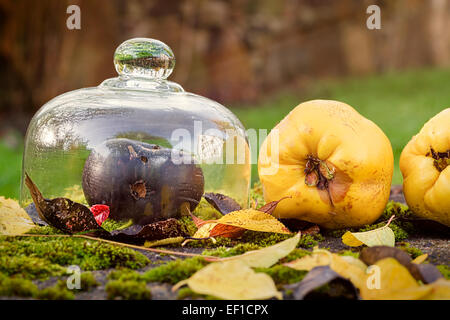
[[138, 142]]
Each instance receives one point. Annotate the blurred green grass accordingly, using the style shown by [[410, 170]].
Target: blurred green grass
[[10, 170], [399, 103]]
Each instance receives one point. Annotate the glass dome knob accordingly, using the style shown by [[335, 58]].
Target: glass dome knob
[[144, 58]]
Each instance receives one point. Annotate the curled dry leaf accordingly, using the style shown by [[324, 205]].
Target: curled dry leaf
[[371, 255], [427, 273], [221, 202], [266, 257], [377, 237], [62, 213], [318, 277], [13, 219], [232, 280], [270, 207]]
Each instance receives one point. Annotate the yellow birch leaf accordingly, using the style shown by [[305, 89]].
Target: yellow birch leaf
[[231, 280], [348, 270], [420, 259], [255, 220], [394, 283], [383, 236], [266, 257], [13, 219]]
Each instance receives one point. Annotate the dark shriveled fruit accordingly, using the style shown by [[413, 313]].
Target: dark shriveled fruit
[[140, 181]]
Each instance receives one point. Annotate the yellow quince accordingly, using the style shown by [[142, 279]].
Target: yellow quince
[[335, 165], [425, 165]]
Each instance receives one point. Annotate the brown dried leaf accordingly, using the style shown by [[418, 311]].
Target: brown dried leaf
[[62, 213], [169, 228], [318, 277], [270, 207], [370, 255], [222, 203], [427, 273]]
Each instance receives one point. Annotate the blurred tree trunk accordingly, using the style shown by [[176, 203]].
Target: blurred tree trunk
[[231, 51]]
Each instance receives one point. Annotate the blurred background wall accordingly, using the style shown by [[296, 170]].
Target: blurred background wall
[[236, 51]]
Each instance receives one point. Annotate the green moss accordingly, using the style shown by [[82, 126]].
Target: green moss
[[400, 210], [40, 257], [205, 211], [296, 254], [412, 251], [445, 270], [29, 267], [349, 253], [88, 281], [10, 286], [188, 224], [264, 239], [45, 230], [110, 224], [187, 293], [220, 242], [233, 251], [175, 271], [128, 290], [401, 229], [57, 292], [124, 275], [282, 274]]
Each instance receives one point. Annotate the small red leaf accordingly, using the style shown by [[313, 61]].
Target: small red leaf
[[100, 212]]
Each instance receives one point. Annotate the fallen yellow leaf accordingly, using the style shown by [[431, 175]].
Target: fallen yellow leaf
[[420, 259], [440, 290], [392, 281], [231, 280], [266, 257], [383, 236], [255, 220], [13, 218]]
